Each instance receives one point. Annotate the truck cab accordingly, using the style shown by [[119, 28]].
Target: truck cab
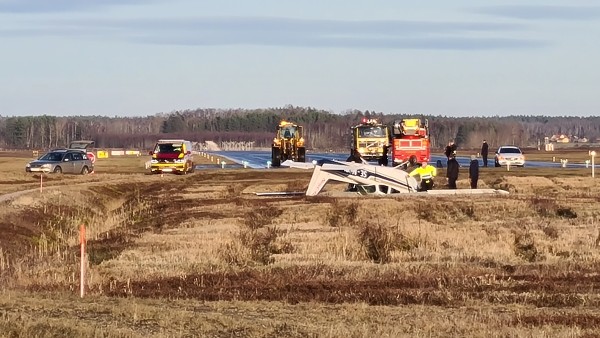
[[371, 139]]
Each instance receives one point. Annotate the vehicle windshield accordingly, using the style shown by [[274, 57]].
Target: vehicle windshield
[[54, 157], [509, 151], [288, 132], [168, 148], [369, 131]]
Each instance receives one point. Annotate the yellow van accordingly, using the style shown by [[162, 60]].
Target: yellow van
[[172, 156]]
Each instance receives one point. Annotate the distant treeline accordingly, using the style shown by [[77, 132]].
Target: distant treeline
[[323, 129]]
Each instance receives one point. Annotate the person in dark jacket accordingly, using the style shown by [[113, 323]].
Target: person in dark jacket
[[355, 157], [474, 171], [411, 164], [452, 172], [450, 149], [484, 153]]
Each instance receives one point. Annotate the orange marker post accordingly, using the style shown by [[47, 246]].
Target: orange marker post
[[82, 272]]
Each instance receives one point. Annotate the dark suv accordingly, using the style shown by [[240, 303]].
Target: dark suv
[[58, 161]]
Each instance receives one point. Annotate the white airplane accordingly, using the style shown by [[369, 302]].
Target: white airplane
[[371, 179]]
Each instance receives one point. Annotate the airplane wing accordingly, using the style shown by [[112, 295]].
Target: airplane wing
[[299, 165]]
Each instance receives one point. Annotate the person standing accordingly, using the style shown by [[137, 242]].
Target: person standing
[[450, 149], [355, 157], [426, 172], [474, 171], [484, 153], [411, 165], [452, 172]]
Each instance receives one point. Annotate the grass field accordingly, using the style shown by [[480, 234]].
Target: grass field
[[201, 255]]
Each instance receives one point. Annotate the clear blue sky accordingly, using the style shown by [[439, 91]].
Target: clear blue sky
[[141, 57]]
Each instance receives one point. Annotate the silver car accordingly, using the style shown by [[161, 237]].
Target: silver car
[[59, 161]]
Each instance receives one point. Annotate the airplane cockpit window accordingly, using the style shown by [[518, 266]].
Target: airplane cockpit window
[[367, 189]]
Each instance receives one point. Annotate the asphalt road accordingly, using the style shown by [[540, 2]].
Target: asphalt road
[[259, 159]]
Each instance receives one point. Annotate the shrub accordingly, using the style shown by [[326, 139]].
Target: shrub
[[261, 243], [378, 242], [257, 218], [566, 213], [545, 207], [235, 253], [468, 210], [342, 214], [256, 241], [525, 248], [550, 231]]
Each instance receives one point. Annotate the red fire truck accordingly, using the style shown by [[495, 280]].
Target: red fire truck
[[410, 138]]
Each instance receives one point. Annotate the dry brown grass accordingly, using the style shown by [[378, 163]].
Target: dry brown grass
[[234, 264]]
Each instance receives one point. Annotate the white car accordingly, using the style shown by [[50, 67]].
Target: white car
[[509, 154]]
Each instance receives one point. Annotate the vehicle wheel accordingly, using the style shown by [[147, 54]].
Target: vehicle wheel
[[301, 154], [85, 170], [496, 164], [57, 170], [193, 168], [275, 156]]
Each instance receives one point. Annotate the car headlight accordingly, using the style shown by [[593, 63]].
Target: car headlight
[[154, 160], [28, 165], [179, 161], [45, 165]]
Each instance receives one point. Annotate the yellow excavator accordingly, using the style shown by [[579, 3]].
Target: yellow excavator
[[288, 144]]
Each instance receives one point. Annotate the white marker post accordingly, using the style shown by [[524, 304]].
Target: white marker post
[[507, 165], [593, 155], [268, 164], [223, 165], [83, 260]]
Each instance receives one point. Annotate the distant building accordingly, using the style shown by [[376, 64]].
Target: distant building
[[562, 138]]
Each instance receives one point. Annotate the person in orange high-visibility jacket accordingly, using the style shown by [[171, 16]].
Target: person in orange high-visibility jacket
[[427, 173]]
